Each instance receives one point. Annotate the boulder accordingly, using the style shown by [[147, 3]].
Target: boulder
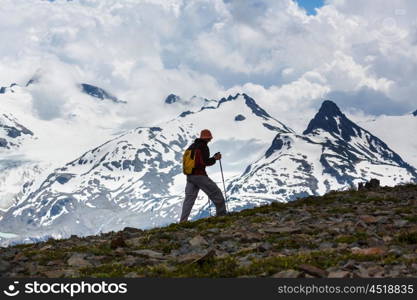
[[117, 242], [312, 270], [78, 260], [339, 274], [4, 265], [149, 253], [373, 184], [287, 274], [368, 251], [198, 241]]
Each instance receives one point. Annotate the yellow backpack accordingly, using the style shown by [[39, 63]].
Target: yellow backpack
[[188, 161]]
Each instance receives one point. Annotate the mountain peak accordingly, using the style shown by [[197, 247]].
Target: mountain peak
[[3, 89], [172, 98], [250, 102], [330, 118], [35, 79], [99, 93], [330, 109]]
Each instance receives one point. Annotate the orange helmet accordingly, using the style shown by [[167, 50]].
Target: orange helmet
[[205, 134]]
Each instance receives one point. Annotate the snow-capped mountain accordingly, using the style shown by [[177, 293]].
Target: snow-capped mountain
[[9, 89], [14, 171], [12, 133], [396, 131], [333, 153], [32, 145], [136, 179], [99, 93]]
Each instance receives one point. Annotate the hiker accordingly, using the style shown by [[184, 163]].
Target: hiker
[[198, 157]]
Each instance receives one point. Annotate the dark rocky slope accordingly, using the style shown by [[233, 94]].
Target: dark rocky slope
[[367, 233]]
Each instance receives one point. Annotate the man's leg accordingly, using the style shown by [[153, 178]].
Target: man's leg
[[213, 192], [191, 192]]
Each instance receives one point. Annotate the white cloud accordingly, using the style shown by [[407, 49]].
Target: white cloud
[[142, 51]]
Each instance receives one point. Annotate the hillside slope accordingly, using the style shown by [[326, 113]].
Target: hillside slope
[[367, 233]]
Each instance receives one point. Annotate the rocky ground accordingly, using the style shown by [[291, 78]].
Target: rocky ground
[[367, 233]]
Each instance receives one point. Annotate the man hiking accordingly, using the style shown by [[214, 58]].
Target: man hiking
[[198, 157]]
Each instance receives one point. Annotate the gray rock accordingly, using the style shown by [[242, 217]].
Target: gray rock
[[244, 262], [410, 256], [394, 273], [362, 272], [251, 237], [132, 275], [350, 265], [71, 273], [129, 261], [229, 246], [209, 255], [326, 245], [188, 258], [282, 230], [198, 241], [78, 260], [287, 274], [265, 246], [400, 223], [396, 251], [54, 273], [339, 274], [312, 270], [149, 253], [376, 271], [4, 265]]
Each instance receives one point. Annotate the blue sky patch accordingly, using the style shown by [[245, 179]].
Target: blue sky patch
[[310, 5]]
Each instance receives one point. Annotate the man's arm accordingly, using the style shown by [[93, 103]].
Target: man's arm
[[205, 153]]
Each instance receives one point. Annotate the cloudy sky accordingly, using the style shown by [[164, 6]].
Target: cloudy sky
[[288, 55]]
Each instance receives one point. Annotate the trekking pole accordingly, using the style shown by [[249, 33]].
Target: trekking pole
[[209, 205], [224, 186]]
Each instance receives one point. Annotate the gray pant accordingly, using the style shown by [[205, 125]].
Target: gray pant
[[194, 184]]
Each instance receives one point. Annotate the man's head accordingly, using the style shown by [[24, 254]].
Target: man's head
[[205, 134]]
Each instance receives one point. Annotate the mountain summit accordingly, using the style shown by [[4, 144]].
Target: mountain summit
[[329, 118], [172, 99]]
